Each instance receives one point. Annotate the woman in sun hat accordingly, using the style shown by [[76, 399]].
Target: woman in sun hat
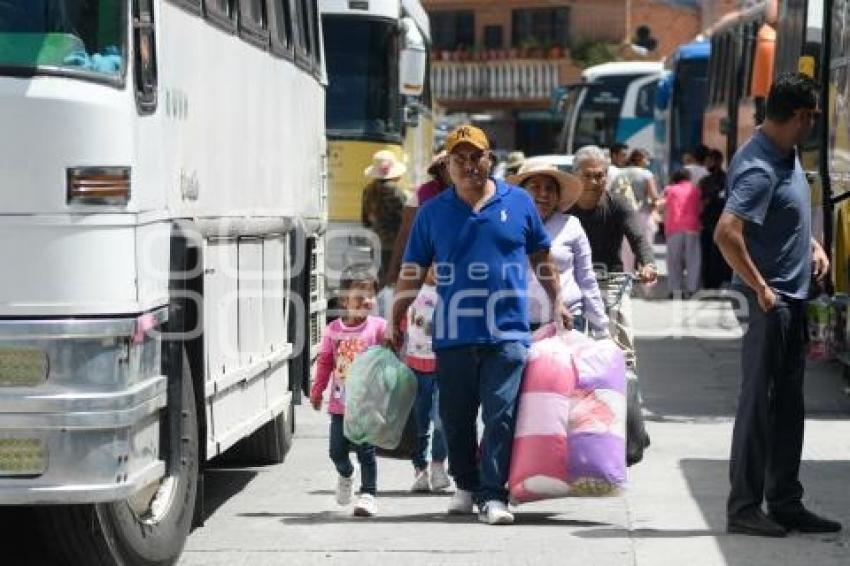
[[383, 201], [554, 190]]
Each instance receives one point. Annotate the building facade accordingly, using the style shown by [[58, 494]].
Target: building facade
[[500, 62]]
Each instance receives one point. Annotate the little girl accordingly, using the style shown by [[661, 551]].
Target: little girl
[[343, 340], [419, 357]]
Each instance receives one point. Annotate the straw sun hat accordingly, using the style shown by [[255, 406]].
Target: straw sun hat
[[570, 187], [385, 165]]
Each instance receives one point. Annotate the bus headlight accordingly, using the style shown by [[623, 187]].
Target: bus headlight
[[99, 185]]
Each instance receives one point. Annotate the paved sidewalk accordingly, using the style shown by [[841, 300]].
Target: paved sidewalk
[[673, 512]]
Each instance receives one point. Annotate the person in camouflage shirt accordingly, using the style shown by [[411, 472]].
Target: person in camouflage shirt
[[383, 201]]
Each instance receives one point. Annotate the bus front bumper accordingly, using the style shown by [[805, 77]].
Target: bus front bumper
[[79, 408]]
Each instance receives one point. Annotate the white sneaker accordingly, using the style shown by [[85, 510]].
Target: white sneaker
[[461, 503], [495, 513], [366, 506], [343, 490], [421, 484], [439, 478]]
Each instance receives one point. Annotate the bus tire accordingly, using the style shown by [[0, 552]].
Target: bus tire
[[289, 429], [268, 445], [110, 534]]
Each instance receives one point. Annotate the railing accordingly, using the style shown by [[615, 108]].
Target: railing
[[496, 80]]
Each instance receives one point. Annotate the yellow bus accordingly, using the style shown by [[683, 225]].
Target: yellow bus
[[378, 98]]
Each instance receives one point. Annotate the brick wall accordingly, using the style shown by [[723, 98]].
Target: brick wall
[[713, 10], [670, 25], [600, 20]]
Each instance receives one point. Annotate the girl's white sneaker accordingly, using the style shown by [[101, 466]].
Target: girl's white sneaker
[[439, 478], [343, 489], [421, 484], [366, 506]]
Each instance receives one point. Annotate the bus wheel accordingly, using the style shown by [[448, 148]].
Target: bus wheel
[[148, 529], [267, 445]]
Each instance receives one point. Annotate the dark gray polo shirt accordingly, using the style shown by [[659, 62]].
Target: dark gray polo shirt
[[768, 189]]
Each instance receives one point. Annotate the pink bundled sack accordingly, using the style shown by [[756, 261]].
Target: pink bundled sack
[[570, 435]]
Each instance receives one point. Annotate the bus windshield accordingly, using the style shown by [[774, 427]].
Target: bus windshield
[[69, 37], [363, 99], [599, 114]]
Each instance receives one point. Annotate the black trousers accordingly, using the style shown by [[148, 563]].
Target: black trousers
[[767, 441]]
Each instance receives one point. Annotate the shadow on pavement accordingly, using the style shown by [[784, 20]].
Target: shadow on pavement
[[394, 493], [221, 484], [522, 519], [827, 492]]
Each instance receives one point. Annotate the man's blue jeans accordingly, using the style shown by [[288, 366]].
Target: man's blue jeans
[[488, 376], [427, 400]]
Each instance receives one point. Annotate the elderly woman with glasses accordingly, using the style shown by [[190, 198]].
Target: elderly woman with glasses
[[554, 190]]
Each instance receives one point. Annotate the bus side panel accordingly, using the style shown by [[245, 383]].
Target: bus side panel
[[271, 132]]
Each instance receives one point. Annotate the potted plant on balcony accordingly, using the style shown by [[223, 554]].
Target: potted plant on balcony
[[530, 48], [555, 51]]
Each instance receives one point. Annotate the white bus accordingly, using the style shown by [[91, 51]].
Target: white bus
[[163, 201], [378, 99], [614, 103]]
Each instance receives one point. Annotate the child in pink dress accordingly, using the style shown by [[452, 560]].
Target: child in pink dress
[[343, 340]]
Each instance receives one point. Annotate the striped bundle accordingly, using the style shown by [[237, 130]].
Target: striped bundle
[[570, 431]]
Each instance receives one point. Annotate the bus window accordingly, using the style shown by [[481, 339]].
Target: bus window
[[253, 13], [305, 39], [254, 22], [64, 37], [363, 98], [314, 28], [645, 98], [730, 66], [599, 113], [145, 56], [280, 17], [222, 13]]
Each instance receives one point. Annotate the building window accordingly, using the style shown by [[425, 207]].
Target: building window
[[493, 37], [541, 27], [453, 29]]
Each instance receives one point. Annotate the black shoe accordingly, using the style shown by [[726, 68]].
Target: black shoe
[[754, 523], [804, 521]]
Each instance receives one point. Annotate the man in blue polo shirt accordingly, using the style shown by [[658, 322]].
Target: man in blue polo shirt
[[765, 235], [480, 234]]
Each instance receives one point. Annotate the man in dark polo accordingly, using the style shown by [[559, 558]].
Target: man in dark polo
[[765, 235]]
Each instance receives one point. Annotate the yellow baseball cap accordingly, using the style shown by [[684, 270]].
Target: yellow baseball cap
[[467, 134]]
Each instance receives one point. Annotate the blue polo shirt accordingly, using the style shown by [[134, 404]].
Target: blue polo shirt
[[769, 191], [481, 264]]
